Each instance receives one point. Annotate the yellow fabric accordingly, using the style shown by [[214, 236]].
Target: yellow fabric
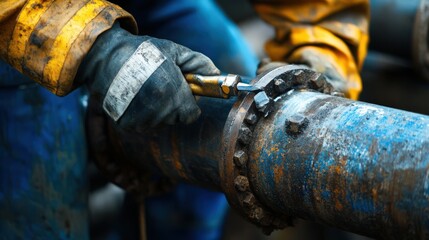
[[23, 31], [334, 29], [9, 10], [47, 39]]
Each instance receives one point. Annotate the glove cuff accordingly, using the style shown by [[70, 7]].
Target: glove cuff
[[117, 66]]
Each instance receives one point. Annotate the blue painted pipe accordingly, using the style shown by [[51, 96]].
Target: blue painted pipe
[[352, 165]]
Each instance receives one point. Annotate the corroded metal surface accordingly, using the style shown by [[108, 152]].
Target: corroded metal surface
[[347, 164], [238, 134], [356, 166]]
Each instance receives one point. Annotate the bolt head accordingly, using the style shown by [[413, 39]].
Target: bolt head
[[240, 158], [317, 80], [245, 135], [328, 89], [264, 104], [296, 124], [298, 72], [249, 200], [261, 100], [257, 214], [280, 86], [251, 118], [299, 76], [241, 183]]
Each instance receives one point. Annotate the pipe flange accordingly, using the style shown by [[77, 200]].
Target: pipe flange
[[237, 136]]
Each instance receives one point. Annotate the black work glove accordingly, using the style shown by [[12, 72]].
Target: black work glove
[[139, 81]]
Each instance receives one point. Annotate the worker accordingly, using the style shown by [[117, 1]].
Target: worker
[[138, 82]]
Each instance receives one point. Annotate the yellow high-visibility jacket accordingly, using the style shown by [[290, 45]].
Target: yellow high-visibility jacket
[[334, 29], [47, 39]]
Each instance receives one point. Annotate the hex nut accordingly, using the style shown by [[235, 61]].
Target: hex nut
[[251, 118], [244, 135], [328, 89], [298, 72], [257, 214], [240, 158], [296, 124], [299, 77], [280, 86], [317, 80], [241, 183], [249, 200], [267, 220], [261, 99], [264, 104]]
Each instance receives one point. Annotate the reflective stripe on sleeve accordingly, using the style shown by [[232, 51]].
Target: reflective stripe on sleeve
[[51, 38]]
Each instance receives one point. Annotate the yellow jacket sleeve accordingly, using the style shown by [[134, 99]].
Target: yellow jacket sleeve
[[47, 39], [334, 29]]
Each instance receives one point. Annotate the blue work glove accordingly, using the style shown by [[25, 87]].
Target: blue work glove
[[138, 80]]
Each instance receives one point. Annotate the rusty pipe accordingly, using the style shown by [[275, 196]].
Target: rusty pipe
[[348, 164], [352, 165]]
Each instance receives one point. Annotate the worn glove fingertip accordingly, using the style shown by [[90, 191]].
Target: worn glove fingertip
[[209, 68], [213, 70]]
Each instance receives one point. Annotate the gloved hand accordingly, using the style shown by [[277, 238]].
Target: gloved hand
[[139, 81], [340, 72]]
